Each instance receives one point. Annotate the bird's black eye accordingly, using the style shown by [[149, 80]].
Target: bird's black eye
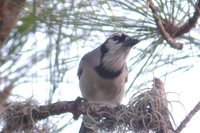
[[116, 38], [119, 38]]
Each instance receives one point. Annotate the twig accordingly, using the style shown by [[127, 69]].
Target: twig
[[188, 118], [160, 26], [186, 27]]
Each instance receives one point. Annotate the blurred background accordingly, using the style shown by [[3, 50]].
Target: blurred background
[[39, 59]]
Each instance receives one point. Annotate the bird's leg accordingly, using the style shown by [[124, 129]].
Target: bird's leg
[[76, 104]]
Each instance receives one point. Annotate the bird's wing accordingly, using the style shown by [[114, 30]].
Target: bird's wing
[[90, 59], [80, 69]]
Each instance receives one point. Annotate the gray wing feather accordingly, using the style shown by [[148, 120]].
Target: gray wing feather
[[92, 58]]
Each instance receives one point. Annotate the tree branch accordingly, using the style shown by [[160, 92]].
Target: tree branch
[[146, 111], [24, 115], [9, 11], [188, 118], [160, 26], [186, 27]]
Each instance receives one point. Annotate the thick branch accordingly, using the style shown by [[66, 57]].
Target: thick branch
[[160, 26], [24, 115], [146, 111], [77, 108]]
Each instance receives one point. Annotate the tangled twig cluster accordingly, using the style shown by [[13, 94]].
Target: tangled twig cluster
[[146, 111], [18, 117]]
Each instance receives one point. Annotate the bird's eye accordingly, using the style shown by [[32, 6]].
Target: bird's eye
[[115, 38]]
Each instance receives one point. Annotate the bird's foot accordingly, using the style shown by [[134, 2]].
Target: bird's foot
[[76, 104]]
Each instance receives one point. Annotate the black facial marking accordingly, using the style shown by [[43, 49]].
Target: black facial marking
[[116, 38], [107, 74], [119, 38], [101, 70], [104, 50]]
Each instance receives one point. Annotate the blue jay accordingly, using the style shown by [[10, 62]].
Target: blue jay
[[103, 72]]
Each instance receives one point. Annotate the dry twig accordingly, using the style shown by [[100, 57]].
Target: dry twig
[[161, 28], [169, 30], [186, 27], [188, 118]]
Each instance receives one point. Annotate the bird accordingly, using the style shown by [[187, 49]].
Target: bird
[[103, 72]]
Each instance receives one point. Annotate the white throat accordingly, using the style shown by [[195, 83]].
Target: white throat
[[114, 61]]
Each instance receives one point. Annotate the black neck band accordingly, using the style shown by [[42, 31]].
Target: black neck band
[[106, 73]]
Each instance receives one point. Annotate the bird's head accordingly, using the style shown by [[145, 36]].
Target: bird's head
[[115, 50]]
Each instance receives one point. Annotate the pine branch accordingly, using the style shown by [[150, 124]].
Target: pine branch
[[186, 27], [188, 118], [175, 31], [162, 30]]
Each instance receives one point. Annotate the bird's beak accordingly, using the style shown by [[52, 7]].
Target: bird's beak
[[130, 41]]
